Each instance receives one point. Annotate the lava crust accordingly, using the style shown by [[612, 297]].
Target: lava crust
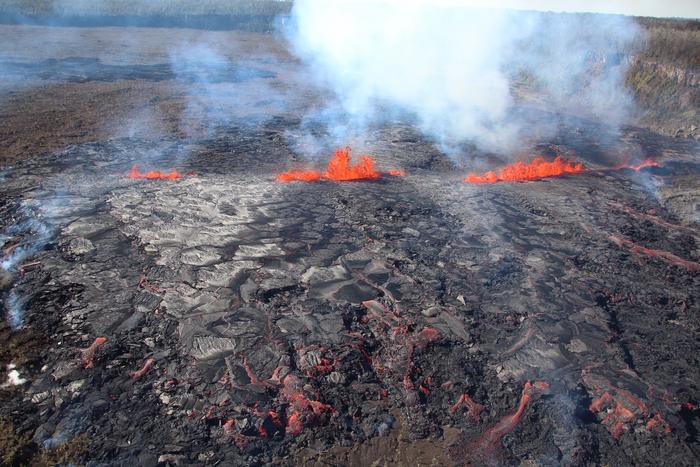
[[220, 316]]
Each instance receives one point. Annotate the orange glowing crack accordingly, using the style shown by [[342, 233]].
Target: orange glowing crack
[[473, 409], [506, 424], [153, 174], [486, 448], [302, 411], [339, 169], [690, 266], [620, 409], [640, 166], [618, 414], [534, 170]]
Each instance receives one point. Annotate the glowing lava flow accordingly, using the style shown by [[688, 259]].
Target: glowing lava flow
[[486, 449], [153, 174], [640, 166], [339, 169], [299, 176], [520, 171], [690, 266]]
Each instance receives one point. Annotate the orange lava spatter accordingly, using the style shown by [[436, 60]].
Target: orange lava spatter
[[339, 168], [153, 174], [534, 170]]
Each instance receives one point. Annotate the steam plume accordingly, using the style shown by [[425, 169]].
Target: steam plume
[[453, 67]]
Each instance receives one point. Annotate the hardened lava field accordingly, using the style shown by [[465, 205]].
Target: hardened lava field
[[169, 301]]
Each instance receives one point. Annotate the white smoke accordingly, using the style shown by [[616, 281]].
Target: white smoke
[[452, 67]]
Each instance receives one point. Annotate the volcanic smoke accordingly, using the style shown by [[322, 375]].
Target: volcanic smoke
[[339, 169], [520, 171]]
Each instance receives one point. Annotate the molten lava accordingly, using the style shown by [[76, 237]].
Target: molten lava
[[473, 409], [339, 169], [487, 448], [640, 166], [153, 174], [690, 266], [301, 411], [520, 171], [297, 175]]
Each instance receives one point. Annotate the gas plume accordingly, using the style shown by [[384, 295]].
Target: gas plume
[[454, 68]]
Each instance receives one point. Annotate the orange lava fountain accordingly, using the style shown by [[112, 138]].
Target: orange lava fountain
[[520, 171], [153, 174], [339, 169]]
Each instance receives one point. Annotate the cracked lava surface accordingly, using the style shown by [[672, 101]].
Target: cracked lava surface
[[225, 316]]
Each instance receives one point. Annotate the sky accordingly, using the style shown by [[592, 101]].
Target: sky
[[658, 8], [665, 8]]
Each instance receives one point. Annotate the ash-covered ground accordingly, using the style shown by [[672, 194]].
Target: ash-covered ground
[[227, 318]]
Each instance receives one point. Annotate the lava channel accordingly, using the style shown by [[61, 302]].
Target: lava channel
[[534, 170], [487, 447]]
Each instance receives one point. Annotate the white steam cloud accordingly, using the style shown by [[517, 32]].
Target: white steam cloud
[[453, 67]]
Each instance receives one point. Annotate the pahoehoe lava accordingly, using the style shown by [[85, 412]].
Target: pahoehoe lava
[[224, 317]]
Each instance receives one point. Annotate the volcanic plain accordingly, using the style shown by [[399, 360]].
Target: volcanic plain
[[223, 316]]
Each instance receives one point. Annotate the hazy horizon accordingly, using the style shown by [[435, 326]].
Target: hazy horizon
[[689, 9]]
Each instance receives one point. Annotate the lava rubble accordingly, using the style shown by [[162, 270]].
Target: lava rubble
[[227, 317]]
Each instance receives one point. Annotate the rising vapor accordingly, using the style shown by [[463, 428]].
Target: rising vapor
[[453, 67]]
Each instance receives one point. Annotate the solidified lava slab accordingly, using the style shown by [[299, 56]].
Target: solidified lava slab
[[260, 319]]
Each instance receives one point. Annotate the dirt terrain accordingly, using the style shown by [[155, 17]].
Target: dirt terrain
[[225, 317]]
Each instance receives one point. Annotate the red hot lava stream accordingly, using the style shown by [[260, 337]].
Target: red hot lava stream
[[153, 174], [339, 169], [539, 168], [690, 266], [534, 170], [484, 449]]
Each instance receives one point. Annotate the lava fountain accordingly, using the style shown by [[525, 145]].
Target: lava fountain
[[339, 169], [534, 170]]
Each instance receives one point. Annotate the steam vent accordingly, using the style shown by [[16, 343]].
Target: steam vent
[[349, 233]]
